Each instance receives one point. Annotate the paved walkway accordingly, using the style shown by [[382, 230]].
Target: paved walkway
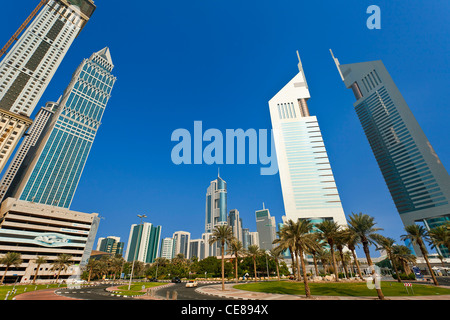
[[45, 294], [231, 292]]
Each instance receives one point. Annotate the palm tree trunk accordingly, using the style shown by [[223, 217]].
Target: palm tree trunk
[[333, 256], [292, 260], [424, 253], [4, 274], [343, 263], [223, 268], [236, 267], [370, 263], [298, 267], [36, 273], [278, 269], [315, 265], [305, 278], [395, 269], [254, 267], [357, 264]]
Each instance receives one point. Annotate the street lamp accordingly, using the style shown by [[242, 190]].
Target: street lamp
[[135, 252]]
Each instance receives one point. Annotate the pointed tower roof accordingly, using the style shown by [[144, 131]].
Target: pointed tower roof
[[106, 54]]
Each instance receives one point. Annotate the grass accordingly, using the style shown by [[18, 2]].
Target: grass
[[358, 289], [136, 288], [24, 288]]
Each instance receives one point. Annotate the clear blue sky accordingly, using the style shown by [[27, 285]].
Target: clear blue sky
[[220, 62]]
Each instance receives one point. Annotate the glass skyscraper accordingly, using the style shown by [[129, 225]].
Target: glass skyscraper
[[416, 178], [216, 204], [143, 243], [307, 181], [267, 230], [52, 168], [26, 70]]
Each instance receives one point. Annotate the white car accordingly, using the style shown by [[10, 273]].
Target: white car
[[191, 284]]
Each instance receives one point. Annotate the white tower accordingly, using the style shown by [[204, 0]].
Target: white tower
[[307, 182]]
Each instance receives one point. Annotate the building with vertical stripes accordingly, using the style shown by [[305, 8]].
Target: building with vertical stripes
[[143, 243], [26, 70], [52, 168]]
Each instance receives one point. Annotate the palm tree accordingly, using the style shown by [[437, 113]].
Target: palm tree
[[324, 256], [440, 236], [39, 261], [62, 263], [236, 249], [364, 226], [116, 265], [387, 244], [10, 259], [93, 266], [417, 234], [404, 256], [276, 255], [352, 242], [254, 252], [286, 241], [328, 232], [222, 234], [340, 242], [305, 241], [313, 251]]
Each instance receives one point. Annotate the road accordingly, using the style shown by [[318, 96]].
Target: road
[[99, 293]]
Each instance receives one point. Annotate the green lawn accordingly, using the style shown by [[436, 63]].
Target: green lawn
[[358, 289], [136, 288], [24, 288]]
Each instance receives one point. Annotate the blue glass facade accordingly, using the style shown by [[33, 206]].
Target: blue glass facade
[[63, 152]]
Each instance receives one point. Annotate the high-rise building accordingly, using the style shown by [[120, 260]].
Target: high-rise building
[[28, 67], [195, 249], [307, 182], [415, 176], [216, 204], [181, 243], [52, 168], [246, 240], [167, 248], [235, 222], [111, 245], [267, 229], [39, 124], [143, 243]]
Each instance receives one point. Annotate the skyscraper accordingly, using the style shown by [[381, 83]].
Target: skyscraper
[[143, 243], [267, 229], [28, 67], [235, 222], [307, 182], [111, 245], [167, 248], [181, 243], [416, 178], [52, 168], [216, 204]]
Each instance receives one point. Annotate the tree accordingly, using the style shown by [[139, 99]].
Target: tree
[[286, 241], [404, 256], [253, 251], [387, 244], [276, 255], [440, 236], [8, 260], [364, 226], [329, 232], [39, 261], [93, 267], [222, 234], [417, 235], [305, 241], [116, 265], [236, 249], [352, 242], [340, 242], [61, 263]]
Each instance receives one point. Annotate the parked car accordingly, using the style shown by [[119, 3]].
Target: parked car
[[153, 280], [191, 284], [176, 280]]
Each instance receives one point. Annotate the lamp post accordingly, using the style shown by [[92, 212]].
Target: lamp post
[[132, 267]]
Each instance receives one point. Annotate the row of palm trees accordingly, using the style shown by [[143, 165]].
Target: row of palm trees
[[325, 240], [14, 259]]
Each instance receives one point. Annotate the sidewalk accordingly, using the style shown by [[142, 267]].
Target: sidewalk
[[230, 292], [45, 294]]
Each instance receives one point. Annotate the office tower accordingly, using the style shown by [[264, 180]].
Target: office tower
[[111, 245], [216, 204], [28, 67], [254, 238], [167, 248], [39, 124], [181, 243], [246, 241], [195, 249], [52, 168], [307, 182], [34, 229], [416, 178], [143, 243], [266, 227], [235, 222]]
